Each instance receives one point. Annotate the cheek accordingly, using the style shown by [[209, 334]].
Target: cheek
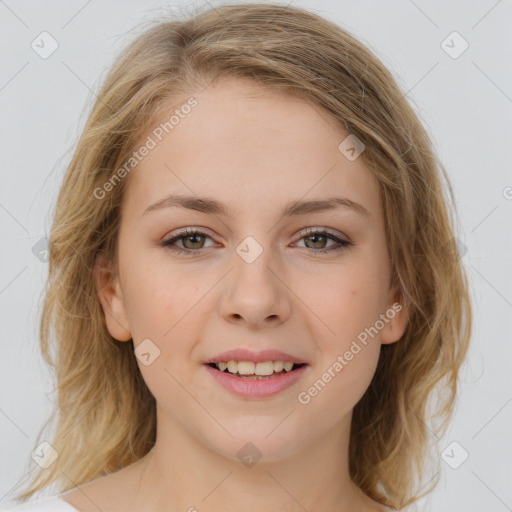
[[333, 394], [161, 296], [348, 305], [339, 381], [344, 303], [168, 306], [164, 308]]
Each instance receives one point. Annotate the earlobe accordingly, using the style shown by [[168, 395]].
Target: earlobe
[[111, 298], [396, 319]]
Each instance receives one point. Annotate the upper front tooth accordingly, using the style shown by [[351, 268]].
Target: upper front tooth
[[278, 366], [266, 368], [251, 368], [246, 367]]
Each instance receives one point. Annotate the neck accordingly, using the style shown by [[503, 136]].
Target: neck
[[181, 473]]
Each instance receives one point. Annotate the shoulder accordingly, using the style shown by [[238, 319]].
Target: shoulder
[[48, 504]]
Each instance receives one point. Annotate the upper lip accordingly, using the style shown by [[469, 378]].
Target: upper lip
[[242, 354]]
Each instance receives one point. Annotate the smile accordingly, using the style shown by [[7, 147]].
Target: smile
[[249, 369], [256, 380]]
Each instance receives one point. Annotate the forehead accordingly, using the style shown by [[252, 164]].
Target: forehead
[[249, 148]]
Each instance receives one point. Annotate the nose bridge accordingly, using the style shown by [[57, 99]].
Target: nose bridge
[[255, 291], [253, 263]]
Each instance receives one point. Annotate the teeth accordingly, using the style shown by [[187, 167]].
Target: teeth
[[246, 367], [250, 368], [266, 368], [278, 366]]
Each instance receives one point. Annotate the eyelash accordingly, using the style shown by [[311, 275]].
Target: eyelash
[[190, 232]]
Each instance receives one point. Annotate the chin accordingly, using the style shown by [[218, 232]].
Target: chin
[[257, 446]]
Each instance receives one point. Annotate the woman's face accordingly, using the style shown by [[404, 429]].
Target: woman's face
[[254, 278]]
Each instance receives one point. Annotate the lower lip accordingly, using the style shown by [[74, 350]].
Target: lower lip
[[256, 388]]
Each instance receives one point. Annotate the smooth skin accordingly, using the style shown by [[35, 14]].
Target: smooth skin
[[254, 151]]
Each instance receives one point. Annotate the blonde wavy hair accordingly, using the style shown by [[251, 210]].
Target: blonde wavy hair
[[105, 416]]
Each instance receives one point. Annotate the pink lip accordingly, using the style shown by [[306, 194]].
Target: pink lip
[[242, 354], [255, 388]]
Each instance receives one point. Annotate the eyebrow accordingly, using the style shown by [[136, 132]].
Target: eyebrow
[[294, 208]]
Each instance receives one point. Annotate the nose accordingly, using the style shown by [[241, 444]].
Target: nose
[[255, 293]]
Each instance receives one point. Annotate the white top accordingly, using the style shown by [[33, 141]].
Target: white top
[[48, 504]]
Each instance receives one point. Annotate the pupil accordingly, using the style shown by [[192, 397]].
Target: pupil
[[316, 236], [191, 237]]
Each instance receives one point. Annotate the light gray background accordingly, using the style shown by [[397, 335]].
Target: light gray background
[[466, 104]]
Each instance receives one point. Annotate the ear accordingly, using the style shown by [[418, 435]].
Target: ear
[[397, 317], [111, 297]]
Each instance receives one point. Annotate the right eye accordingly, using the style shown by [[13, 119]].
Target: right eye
[[187, 236]]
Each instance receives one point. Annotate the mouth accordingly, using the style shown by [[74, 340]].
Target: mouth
[[256, 375], [249, 370], [244, 379]]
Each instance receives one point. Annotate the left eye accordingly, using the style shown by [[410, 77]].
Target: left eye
[[192, 236], [314, 235]]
